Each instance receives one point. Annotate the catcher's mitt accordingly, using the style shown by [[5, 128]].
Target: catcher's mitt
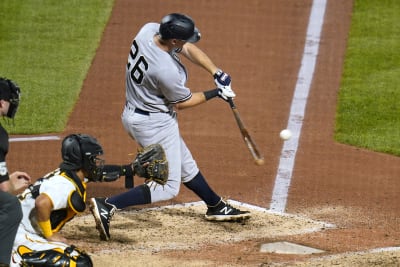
[[151, 163]]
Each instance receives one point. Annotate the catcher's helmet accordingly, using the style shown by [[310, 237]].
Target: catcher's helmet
[[10, 92], [179, 26], [80, 151]]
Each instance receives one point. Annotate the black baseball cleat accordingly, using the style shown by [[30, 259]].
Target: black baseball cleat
[[224, 212], [102, 212]]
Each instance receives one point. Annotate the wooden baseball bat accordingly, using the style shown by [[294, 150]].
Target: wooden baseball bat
[[258, 158]]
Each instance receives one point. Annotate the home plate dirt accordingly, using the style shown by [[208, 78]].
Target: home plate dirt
[[138, 237]]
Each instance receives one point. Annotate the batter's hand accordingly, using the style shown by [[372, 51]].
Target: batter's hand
[[226, 93], [222, 79], [19, 181]]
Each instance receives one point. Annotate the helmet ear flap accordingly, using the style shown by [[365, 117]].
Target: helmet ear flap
[[71, 153]]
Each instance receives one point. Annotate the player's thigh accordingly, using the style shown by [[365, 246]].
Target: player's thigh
[[33, 242], [189, 167], [161, 129], [149, 129]]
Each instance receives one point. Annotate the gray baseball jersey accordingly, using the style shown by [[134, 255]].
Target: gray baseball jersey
[[152, 86]]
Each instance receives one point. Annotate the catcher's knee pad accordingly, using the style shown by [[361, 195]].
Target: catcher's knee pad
[[54, 258]]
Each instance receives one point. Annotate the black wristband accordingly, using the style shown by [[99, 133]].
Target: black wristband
[[127, 170], [217, 74], [211, 93], [113, 168]]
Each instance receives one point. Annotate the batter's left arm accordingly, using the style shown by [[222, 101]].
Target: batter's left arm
[[222, 79], [198, 57]]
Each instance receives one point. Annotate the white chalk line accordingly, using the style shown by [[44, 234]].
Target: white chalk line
[[297, 110], [34, 138], [296, 117]]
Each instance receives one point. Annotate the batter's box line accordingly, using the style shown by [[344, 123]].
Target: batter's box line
[[246, 206]]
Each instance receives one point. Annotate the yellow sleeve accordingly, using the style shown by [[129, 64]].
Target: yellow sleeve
[[46, 228]]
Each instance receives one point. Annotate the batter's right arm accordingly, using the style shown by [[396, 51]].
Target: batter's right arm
[[196, 99]]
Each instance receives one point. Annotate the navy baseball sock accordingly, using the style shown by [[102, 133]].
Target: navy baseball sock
[[138, 195], [201, 188]]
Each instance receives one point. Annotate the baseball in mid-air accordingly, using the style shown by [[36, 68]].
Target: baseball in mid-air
[[285, 134]]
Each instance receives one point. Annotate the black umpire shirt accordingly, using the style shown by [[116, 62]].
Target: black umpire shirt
[[3, 152]]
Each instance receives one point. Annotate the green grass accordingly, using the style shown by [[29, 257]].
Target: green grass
[[47, 46], [368, 113]]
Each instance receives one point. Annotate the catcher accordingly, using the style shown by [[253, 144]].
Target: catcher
[[58, 197]]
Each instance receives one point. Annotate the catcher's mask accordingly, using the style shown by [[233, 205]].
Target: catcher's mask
[[179, 26], [10, 91], [81, 151]]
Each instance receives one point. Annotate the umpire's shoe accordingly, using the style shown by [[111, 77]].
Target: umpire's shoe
[[102, 212], [225, 212]]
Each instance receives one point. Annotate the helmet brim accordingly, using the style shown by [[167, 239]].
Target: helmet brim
[[195, 37]]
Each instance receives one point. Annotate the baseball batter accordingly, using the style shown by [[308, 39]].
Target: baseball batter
[[155, 88]]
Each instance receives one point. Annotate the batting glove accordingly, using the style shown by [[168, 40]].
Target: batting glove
[[226, 92], [222, 79]]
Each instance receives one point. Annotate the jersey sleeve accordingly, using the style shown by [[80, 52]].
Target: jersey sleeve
[[173, 87], [58, 190], [175, 92]]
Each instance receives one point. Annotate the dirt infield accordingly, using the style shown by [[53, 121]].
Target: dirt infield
[[260, 43], [162, 233]]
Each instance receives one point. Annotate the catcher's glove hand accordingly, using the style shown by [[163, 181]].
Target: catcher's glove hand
[[151, 164]]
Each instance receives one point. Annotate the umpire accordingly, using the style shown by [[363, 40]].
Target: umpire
[[13, 184]]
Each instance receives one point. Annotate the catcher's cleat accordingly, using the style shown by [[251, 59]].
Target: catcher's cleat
[[225, 212], [102, 212]]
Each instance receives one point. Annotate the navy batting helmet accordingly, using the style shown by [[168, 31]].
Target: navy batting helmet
[[179, 26], [80, 151]]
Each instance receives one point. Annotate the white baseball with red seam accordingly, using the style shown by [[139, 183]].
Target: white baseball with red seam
[[285, 134]]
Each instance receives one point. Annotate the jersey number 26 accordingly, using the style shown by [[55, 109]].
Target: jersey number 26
[[141, 65]]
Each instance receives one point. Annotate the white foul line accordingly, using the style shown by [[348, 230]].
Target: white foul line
[[297, 110]]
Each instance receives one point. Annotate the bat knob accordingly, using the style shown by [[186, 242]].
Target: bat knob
[[259, 162]]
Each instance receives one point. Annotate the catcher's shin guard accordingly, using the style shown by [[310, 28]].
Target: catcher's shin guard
[[54, 258]]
